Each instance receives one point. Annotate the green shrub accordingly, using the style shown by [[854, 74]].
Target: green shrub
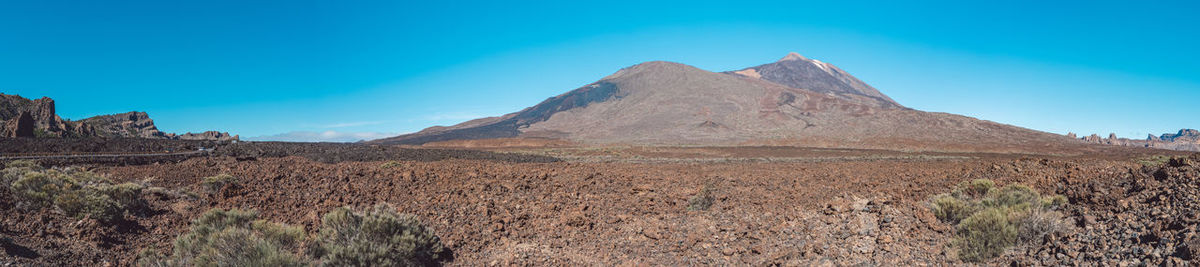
[[986, 234], [990, 219], [38, 189], [1153, 161], [1014, 196], [25, 163], [128, 195], [703, 200], [89, 202], [214, 183], [973, 189], [233, 238], [950, 209], [378, 237], [76, 193]]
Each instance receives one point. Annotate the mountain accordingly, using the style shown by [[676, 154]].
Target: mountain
[[1184, 140], [793, 101], [37, 118], [797, 71]]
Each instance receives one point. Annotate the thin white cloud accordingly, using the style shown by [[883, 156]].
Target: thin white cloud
[[352, 124], [326, 136]]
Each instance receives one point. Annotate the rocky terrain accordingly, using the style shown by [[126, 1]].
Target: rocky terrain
[[37, 118], [807, 207], [1184, 140], [795, 101]]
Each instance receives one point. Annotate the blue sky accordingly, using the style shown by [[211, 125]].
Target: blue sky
[[342, 70]]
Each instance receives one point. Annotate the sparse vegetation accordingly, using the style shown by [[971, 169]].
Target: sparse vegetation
[[378, 237], [1155, 160], [233, 238], [990, 219], [702, 200], [214, 183], [75, 192]]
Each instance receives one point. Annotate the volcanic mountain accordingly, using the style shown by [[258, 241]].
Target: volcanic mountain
[[793, 101]]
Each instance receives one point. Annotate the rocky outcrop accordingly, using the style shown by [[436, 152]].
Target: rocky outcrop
[[37, 118], [1184, 140], [129, 124], [1145, 219], [209, 135], [21, 126]]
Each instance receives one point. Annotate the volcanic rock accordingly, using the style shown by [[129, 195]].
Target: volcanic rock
[[21, 126], [794, 101], [49, 124], [1184, 140]]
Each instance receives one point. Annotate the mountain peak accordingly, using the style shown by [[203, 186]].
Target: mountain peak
[[793, 56]]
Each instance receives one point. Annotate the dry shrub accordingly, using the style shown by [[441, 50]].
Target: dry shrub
[[378, 237], [990, 219], [75, 192], [214, 183], [233, 238], [702, 200]]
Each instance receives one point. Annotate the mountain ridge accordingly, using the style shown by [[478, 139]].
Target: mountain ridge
[[793, 101]]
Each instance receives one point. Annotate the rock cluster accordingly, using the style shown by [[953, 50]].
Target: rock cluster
[[853, 231], [1185, 140], [37, 118], [1150, 218]]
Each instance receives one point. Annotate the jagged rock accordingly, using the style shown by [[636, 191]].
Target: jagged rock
[[1185, 140], [209, 135], [44, 121], [21, 126]]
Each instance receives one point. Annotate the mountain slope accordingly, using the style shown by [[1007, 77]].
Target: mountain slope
[[797, 71], [794, 101]]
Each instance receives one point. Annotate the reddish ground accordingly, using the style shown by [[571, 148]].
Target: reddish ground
[[603, 206]]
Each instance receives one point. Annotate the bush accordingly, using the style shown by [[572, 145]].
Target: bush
[[950, 209], [990, 219], [232, 238], [23, 164], [38, 189], [1035, 224], [973, 189], [379, 237], [986, 234], [703, 200], [89, 202], [75, 192], [1153, 161], [214, 183]]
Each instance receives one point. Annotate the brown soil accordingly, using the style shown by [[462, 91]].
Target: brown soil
[[789, 206]]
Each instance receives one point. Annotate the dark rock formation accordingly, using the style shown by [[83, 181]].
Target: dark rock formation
[[46, 123], [21, 126], [1184, 140]]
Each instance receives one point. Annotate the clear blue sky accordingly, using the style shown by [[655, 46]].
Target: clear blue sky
[[362, 67]]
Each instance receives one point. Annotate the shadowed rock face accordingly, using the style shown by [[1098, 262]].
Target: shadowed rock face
[[795, 101]]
